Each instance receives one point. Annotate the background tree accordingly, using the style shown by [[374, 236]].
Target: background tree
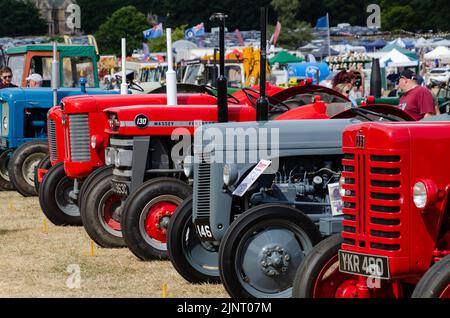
[[20, 18], [126, 22], [293, 31]]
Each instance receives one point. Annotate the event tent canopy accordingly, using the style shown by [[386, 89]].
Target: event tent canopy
[[391, 47], [397, 59], [284, 58], [439, 53]]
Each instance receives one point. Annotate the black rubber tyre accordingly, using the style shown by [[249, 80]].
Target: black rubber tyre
[[312, 265], [54, 197], [182, 240], [160, 196], [5, 181], [107, 170], [43, 164], [22, 166], [277, 234], [435, 282], [97, 207]]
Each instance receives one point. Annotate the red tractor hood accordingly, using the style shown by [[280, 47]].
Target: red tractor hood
[[89, 104]]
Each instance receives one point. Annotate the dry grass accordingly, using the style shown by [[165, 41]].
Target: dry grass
[[33, 261]]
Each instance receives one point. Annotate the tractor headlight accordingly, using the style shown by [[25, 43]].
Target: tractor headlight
[[114, 122], [110, 156], [230, 175], [188, 166], [5, 123], [420, 195]]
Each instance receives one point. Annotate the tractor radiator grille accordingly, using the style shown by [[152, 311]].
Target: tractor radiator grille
[[203, 187], [79, 138], [52, 139], [372, 201]]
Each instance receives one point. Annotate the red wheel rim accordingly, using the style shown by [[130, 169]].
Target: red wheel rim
[[111, 203], [446, 292], [157, 219], [331, 283]]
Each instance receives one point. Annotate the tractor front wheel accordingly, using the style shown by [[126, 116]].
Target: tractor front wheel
[[147, 213], [436, 281], [100, 211], [55, 197], [262, 250], [193, 259], [5, 181], [21, 167]]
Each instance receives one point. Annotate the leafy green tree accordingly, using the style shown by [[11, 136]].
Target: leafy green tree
[[20, 18], [126, 22], [294, 32], [398, 18]]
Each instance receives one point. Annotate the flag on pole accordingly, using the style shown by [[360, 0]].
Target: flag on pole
[[276, 33], [197, 30], [322, 22], [154, 33]]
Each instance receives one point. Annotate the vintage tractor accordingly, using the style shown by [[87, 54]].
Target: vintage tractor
[[24, 110], [147, 207], [396, 236], [265, 223]]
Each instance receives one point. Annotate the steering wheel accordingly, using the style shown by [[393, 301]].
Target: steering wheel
[[364, 112], [253, 99], [136, 87], [211, 91]]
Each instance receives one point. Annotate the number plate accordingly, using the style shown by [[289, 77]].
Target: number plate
[[365, 265], [120, 188], [203, 230]]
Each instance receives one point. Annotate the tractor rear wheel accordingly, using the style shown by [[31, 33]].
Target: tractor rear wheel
[[147, 213], [99, 211], [436, 281], [262, 250], [55, 197], [193, 259], [45, 163], [5, 181], [21, 167]]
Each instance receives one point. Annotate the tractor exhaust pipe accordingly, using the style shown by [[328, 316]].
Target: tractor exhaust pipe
[[262, 105], [222, 99], [55, 74], [375, 79], [124, 86], [171, 76]]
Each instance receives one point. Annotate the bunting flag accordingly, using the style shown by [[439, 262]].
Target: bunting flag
[[197, 30], [154, 33]]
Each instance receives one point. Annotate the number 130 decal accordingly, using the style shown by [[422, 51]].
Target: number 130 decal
[[141, 121]]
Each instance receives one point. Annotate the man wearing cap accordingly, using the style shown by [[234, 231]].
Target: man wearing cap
[[34, 80], [416, 100]]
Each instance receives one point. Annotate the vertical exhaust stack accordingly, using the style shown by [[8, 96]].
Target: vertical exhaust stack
[[171, 76], [124, 86], [375, 79], [262, 105], [55, 74], [222, 99]]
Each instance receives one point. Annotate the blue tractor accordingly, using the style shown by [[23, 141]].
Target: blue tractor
[[23, 112]]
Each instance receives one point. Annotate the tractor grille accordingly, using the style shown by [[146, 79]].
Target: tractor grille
[[203, 187], [372, 204], [52, 139], [79, 138]]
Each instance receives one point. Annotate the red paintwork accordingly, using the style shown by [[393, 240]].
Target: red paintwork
[[154, 218], [421, 235], [41, 173], [108, 208]]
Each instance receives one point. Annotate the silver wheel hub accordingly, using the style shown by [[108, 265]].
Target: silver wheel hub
[[274, 260]]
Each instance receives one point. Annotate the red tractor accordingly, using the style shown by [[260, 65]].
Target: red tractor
[[77, 141], [396, 237]]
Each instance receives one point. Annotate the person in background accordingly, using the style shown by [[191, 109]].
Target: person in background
[[34, 80], [416, 100], [6, 76]]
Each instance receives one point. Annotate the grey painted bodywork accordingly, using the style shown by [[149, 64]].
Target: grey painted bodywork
[[296, 138]]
